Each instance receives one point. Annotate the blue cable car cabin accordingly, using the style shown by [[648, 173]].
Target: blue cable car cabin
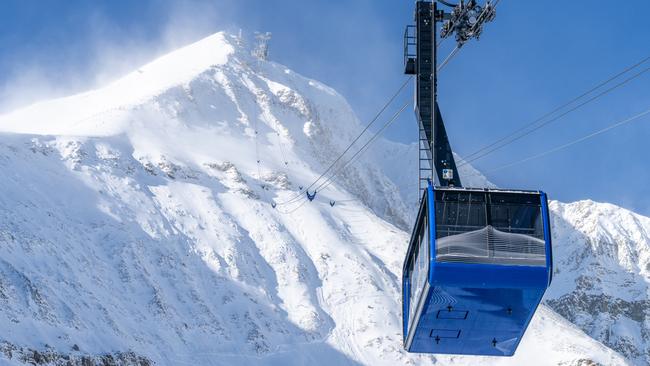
[[478, 264]]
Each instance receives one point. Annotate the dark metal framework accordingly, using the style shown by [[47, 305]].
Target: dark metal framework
[[434, 153], [466, 21], [420, 59]]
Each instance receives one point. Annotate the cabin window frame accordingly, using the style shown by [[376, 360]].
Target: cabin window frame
[[465, 211], [418, 265]]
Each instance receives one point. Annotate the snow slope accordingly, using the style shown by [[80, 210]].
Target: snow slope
[[602, 281], [135, 223]]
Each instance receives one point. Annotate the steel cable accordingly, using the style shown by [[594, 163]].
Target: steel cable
[[559, 108], [545, 123], [329, 181], [571, 143], [375, 118]]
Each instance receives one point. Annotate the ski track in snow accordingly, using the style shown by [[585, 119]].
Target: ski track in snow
[[133, 218]]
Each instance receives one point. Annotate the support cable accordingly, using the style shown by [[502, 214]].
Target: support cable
[[374, 119], [545, 123], [448, 58], [292, 210], [571, 143], [259, 162], [364, 148], [284, 155], [559, 108]]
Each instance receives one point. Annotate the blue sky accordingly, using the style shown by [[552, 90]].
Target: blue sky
[[535, 56]]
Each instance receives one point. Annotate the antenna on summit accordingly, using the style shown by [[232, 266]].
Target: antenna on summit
[[261, 49], [239, 38]]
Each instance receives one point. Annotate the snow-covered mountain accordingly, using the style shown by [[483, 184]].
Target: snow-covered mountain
[[602, 259], [136, 226]]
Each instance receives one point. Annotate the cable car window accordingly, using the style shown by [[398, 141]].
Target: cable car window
[[489, 227], [419, 266], [459, 212], [522, 217]]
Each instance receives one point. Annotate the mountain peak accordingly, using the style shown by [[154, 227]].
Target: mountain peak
[[69, 115], [177, 67]]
